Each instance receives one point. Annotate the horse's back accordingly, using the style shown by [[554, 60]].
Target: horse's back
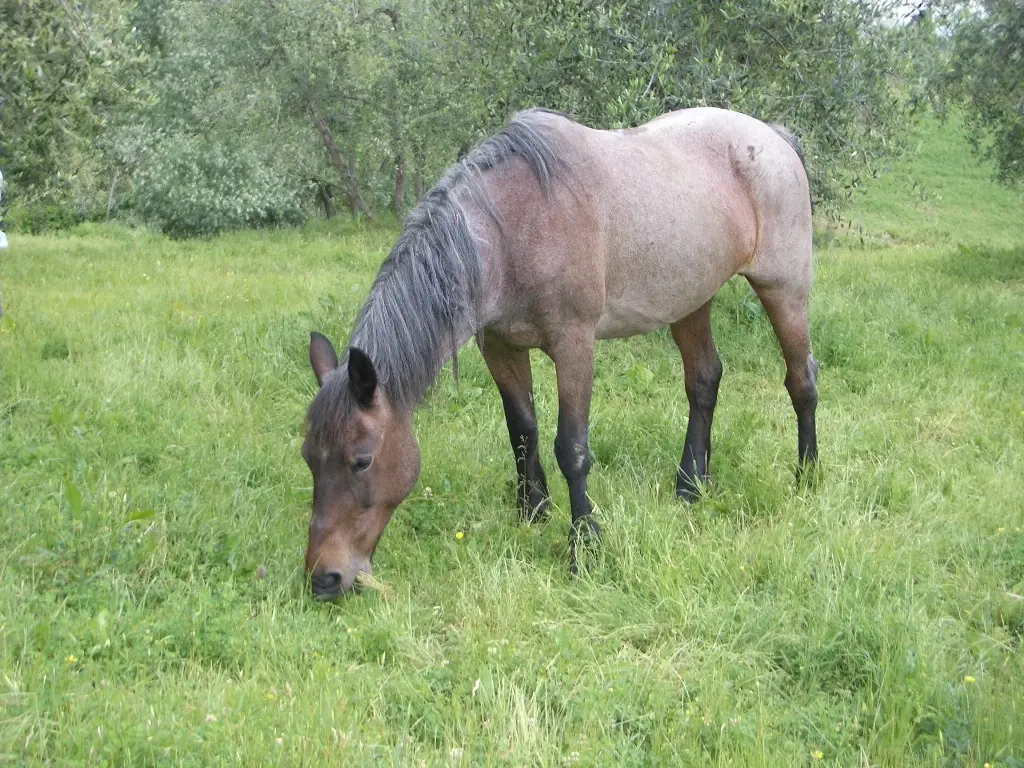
[[686, 201], [651, 221], [716, 156]]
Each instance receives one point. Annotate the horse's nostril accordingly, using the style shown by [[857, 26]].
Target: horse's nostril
[[326, 583]]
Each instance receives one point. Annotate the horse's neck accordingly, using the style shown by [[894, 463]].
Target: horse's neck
[[493, 278]]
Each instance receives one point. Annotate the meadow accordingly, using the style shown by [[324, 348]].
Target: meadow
[[154, 510]]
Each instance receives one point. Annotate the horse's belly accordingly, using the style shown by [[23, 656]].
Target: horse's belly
[[620, 323], [659, 305], [650, 288]]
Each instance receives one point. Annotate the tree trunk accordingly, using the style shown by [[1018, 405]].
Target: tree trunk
[[400, 187], [110, 195], [355, 199], [346, 171], [323, 191], [397, 140], [418, 180], [398, 147]]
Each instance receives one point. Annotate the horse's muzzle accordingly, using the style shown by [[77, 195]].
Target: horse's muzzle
[[327, 585]]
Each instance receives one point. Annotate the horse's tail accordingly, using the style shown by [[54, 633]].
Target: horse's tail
[[794, 142]]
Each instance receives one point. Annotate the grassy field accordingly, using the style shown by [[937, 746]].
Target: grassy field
[[154, 507]]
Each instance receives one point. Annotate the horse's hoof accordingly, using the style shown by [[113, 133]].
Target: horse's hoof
[[807, 474], [585, 541], [535, 508], [687, 494], [690, 490]]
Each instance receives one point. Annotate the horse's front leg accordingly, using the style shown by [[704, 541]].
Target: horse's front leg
[[574, 368], [510, 368]]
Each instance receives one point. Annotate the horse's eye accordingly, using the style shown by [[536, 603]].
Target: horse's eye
[[361, 463]]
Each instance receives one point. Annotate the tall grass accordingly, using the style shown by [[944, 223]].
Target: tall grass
[[154, 507]]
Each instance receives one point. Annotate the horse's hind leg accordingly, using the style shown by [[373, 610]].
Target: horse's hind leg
[[702, 371], [786, 305], [510, 368]]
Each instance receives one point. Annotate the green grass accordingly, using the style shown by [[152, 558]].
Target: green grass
[[152, 395], [938, 195]]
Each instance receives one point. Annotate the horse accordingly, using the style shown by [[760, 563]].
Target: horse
[[552, 235]]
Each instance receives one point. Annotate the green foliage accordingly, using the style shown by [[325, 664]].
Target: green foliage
[[41, 217], [205, 149], [277, 81], [60, 63], [831, 71], [366, 104], [152, 395], [988, 75], [187, 187]]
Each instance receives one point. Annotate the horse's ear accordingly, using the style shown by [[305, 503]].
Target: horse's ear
[[362, 376], [322, 356]]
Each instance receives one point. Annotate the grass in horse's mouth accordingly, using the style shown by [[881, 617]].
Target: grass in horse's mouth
[[369, 581]]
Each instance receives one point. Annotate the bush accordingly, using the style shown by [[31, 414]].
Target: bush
[[38, 218], [186, 187]]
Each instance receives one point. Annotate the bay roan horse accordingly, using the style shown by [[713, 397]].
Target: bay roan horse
[[552, 235]]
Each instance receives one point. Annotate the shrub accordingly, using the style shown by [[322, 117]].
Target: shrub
[[185, 186]]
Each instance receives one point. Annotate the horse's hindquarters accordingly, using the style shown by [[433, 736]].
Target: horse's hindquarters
[[692, 199]]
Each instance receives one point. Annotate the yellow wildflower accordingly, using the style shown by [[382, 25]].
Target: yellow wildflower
[[970, 679], [460, 535], [72, 659], [818, 754]]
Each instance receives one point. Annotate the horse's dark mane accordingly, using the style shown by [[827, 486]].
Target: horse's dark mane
[[427, 294]]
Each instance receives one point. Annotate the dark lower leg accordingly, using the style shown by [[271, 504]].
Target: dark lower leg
[[531, 483], [572, 449], [788, 314], [802, 384], [574, 368], [510, 368], [694, 465], [703, 372]]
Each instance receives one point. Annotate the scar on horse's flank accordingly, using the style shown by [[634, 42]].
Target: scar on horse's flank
[[532, 240]]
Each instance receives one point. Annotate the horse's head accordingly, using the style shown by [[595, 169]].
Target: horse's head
[[365, 461]]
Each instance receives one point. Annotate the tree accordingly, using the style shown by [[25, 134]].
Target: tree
[[988, 78], [216, 114], [225, 134], [830, 69], [59, 65]]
